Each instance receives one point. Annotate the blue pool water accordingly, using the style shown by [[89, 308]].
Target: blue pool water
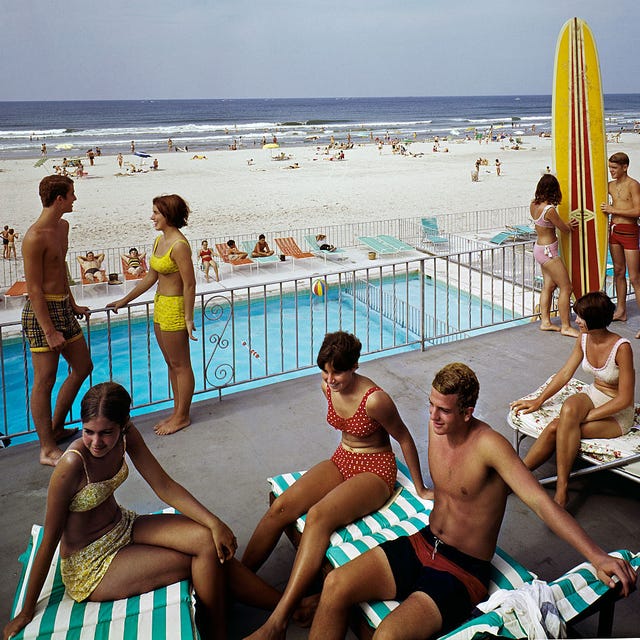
[[239, 346]]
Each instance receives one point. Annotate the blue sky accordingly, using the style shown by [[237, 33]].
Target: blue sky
[[132, 49]]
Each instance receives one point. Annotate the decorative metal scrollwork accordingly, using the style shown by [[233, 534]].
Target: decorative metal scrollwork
[[218, 310]]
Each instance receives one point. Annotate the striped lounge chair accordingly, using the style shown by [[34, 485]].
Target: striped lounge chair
[[163, 614], [620, 455], [578, 592]]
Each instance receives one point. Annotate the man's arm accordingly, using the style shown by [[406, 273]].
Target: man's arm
[[500, 455]]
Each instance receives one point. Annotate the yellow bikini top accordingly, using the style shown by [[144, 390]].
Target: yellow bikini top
[[93, 494], [165, 264]]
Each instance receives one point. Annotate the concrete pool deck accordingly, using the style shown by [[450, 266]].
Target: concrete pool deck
[[282, 427]]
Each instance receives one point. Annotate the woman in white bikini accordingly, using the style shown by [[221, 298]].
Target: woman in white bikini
[[546, 220], [604, 409]]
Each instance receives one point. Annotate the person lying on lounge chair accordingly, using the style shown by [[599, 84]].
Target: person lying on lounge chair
[[442, 571], [323, 245], [91, 266]]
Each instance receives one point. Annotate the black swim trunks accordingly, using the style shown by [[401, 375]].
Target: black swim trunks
[[447, 590]]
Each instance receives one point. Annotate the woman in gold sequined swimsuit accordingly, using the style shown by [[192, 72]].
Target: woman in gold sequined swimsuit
[[171, 267], [107, 552]]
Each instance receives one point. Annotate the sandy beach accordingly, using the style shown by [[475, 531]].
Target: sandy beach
[[248, 191]]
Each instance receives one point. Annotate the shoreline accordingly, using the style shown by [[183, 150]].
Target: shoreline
[[247, 190]]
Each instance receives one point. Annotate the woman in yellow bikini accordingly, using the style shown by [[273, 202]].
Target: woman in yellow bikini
[[108, 552], [171, 267]]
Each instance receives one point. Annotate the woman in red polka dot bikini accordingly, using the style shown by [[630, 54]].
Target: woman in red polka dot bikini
[[358, 479]]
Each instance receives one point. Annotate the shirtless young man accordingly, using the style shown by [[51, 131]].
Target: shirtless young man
[[623, 236], [49, 317], [441, 572], [91, 264]]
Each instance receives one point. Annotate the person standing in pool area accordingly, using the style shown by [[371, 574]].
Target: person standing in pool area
[[170, 266], [358, 479], [108, 552], [546, 253], [49, 317]]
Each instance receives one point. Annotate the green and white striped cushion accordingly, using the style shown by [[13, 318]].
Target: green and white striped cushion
[[575, 591], [165, 613]]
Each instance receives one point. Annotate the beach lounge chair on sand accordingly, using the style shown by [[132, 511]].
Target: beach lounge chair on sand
[[620, 455], [431, 232], [249, 245], [289, 247], [377, 245], [223, 251], [164, 614], [578, 593]]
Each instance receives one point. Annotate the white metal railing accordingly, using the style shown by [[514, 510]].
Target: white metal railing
[[273, 329]]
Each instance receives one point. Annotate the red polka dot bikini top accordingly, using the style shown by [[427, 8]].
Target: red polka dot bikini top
[[359, 424]]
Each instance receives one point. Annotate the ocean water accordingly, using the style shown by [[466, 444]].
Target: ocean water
[[71, 128]]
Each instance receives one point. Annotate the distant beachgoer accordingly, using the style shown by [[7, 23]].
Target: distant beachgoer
[[154, 165], [624, 232], [170, 266], [498, 167], [133, 146], [235, 253], [43, 149], [170, 144], [5, 242], [261, 249], [545, 251], [13, 236], [49, 317], [207, 261], [134, 262], [91, 155], [91, 266]]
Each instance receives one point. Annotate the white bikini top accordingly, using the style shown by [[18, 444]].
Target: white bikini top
[[541, 221], [610, 372]]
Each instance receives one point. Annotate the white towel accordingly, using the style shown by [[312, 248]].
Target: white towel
[[530, 610]]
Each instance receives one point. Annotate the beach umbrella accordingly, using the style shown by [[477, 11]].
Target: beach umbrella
[[271, 145], [141, 154]]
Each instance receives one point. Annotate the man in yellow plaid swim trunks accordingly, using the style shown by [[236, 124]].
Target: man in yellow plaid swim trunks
[[49, 319]]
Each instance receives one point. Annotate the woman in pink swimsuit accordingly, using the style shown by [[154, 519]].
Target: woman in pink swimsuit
[[358, 479], [546, 220], [604, 409]]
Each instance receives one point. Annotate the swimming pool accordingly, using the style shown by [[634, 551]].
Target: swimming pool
[[258, 335]]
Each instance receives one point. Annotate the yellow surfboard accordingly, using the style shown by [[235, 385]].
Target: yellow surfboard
[[580, 155]]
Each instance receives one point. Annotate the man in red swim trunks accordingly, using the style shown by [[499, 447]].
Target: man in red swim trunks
[[441, 572], [624, 231]]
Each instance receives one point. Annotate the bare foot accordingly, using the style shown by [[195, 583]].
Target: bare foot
[[548, 327], [620, 317], [268, 632], [64, 434], [51, 456], [570, 332], [560, 498], [638, 335], [303, 615], [167, 427]]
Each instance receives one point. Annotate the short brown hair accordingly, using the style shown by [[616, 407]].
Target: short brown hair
[[339, 349], [596, 309], [457, 378], [173, 208], [53, 186], [108, 400], [620, 158]]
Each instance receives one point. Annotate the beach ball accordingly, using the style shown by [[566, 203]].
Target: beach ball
[[318, 288]]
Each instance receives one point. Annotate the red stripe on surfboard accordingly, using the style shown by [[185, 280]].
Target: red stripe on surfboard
[[593, 275]]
